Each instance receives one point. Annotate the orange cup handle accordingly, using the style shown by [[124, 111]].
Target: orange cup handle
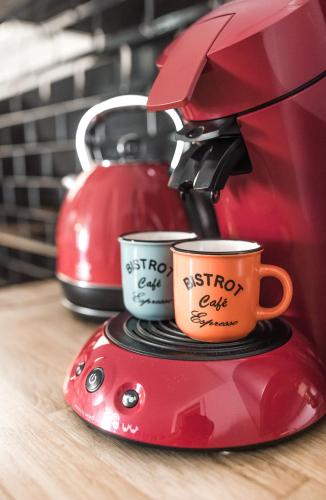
[[265, 271]]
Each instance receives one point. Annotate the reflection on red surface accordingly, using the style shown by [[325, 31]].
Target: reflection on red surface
[[284, 200], [107, 202], [201, 404]]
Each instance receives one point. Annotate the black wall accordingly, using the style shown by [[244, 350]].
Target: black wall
[[37, 128]]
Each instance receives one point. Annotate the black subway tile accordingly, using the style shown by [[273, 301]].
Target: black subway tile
[[122, 16], [7, 167], [73, 119], [63, 163], [46, 130], [33, 165], [31, 99], [162, 7], [15, 103], [62, 90], [5, 136], [17, 134], [98, 80], [21, 194], [4, 106], [50, 197]]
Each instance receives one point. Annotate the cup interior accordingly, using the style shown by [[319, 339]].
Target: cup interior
[[217, 247], [157, 236]]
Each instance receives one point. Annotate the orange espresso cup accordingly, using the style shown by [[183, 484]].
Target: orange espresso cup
[[216, 286]]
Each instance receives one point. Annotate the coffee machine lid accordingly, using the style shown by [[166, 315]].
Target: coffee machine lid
[[244, 54]]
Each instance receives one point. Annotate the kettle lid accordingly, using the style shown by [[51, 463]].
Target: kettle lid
[[129, 147]]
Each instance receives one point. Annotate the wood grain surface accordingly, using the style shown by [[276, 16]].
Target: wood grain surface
[[46, 451]]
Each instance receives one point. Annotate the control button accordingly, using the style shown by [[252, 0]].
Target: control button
[[130, 398], [94, 379], [79, 368]]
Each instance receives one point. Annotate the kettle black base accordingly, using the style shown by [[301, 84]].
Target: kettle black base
[[93, 315], [94, 302]]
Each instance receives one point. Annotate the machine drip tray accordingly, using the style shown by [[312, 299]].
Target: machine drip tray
[[163, 339]]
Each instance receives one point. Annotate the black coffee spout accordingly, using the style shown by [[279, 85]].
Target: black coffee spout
[[185, 173], [226, 156], [217, 151]]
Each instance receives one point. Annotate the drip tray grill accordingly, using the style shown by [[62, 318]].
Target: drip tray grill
[[163, 339]]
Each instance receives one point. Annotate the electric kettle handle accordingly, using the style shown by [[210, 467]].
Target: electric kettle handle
[[114, 103]]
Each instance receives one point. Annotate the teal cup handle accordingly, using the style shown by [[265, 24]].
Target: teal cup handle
[[147, 272]]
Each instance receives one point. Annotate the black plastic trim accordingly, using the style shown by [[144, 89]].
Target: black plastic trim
[[163, 339], [291, 93], [276, 100], [101, 299]]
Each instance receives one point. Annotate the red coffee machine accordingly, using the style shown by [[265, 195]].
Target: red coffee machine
[[249, 82]]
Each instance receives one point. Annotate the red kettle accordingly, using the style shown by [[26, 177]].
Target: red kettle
[[105, 201]]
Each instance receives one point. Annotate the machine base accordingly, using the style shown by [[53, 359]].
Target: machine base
[[230, 399], [249, 447]]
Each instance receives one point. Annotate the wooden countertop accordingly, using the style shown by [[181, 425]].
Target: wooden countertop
[[46, 451]]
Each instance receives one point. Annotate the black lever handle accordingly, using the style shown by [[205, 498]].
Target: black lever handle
[[227, 156]]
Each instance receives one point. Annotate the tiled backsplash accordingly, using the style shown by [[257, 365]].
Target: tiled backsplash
[[38, 124]]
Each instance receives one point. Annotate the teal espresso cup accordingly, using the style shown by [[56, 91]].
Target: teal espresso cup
[[147, 273]]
